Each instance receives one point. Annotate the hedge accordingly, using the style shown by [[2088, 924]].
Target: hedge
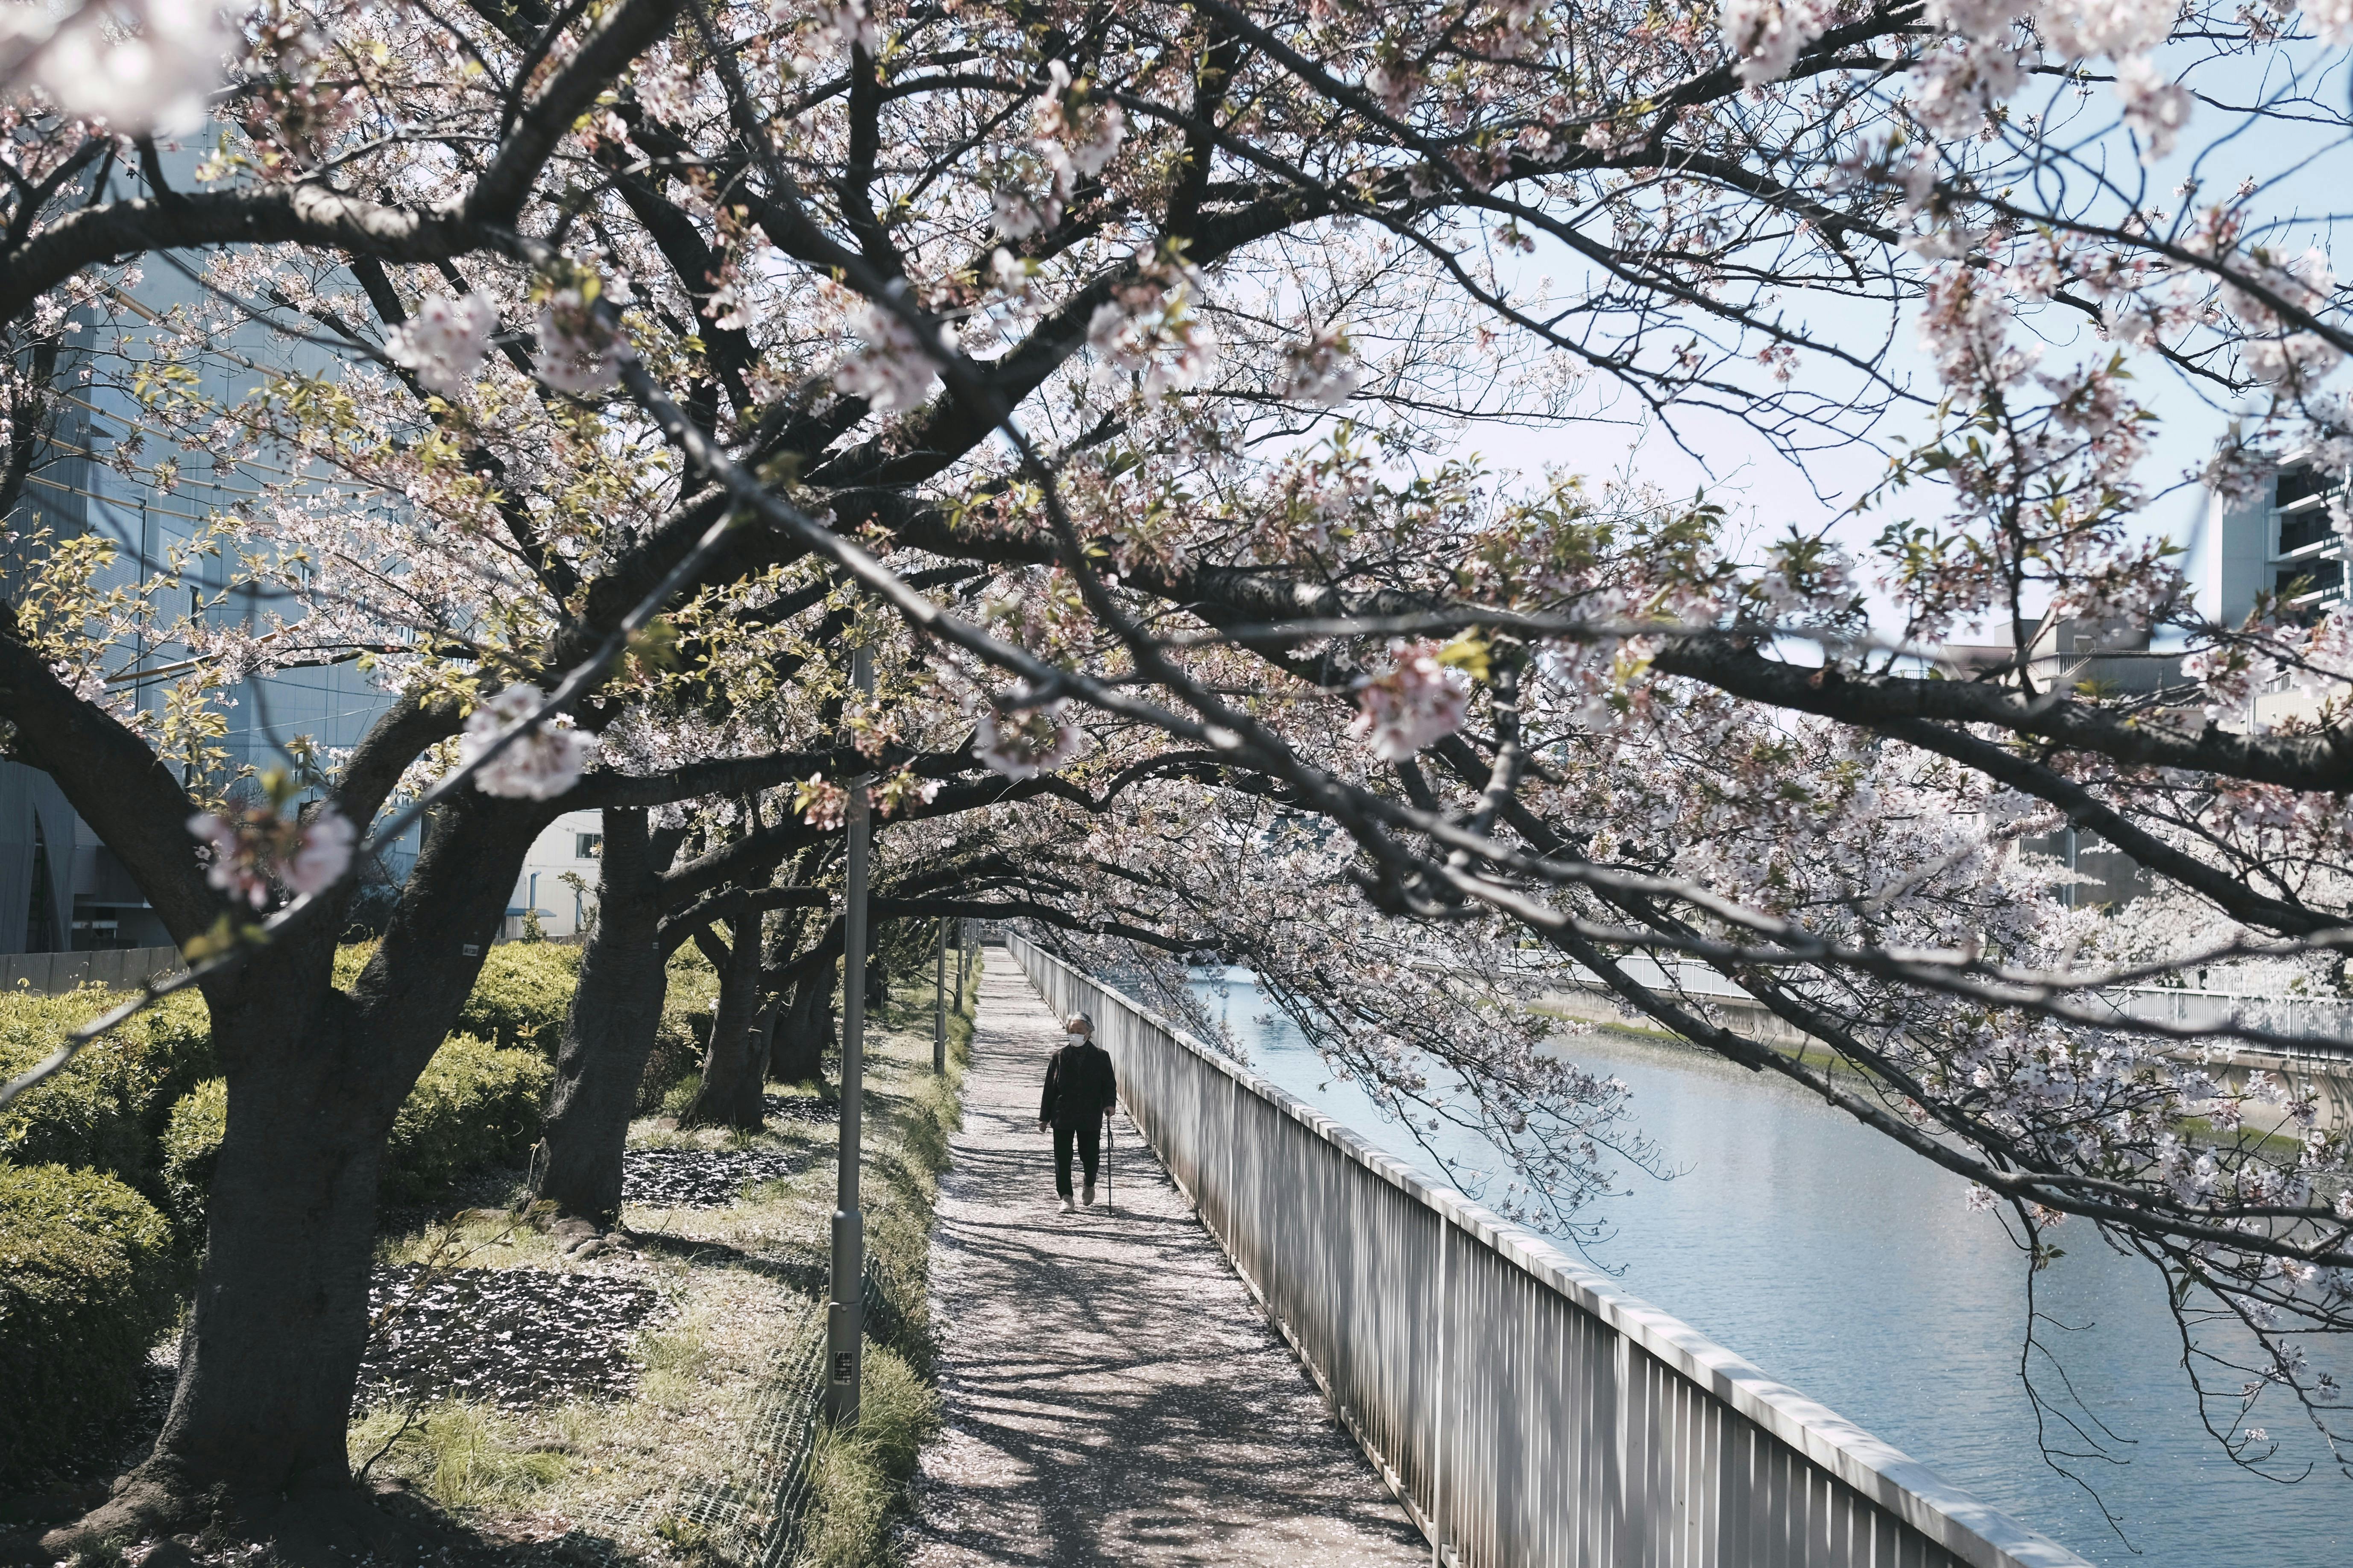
[[474, 1105], [89, 1278], [105, 1111], [521, 998]]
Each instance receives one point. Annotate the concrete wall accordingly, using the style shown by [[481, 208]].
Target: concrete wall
[[53, 973]]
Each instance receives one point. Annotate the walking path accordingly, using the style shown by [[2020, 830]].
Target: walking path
[[1113, 1395]]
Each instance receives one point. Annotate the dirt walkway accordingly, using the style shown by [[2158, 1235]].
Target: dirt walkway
[[1113, 1394]]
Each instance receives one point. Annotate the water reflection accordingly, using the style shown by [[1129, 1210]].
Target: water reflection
[[1854, 1271]]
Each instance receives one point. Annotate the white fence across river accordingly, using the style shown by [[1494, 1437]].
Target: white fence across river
[[1525, 1411]]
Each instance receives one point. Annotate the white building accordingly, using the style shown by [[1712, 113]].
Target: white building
[[2282, 542], [559, 877]]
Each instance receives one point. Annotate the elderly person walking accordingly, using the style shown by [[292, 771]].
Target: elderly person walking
[[1080, 1093]]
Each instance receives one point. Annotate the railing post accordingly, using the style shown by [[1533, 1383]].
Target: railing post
[[1440, 1302]]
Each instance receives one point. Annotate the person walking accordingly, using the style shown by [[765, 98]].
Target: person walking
[[1080, 1090]]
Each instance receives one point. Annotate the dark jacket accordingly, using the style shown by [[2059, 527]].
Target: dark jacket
[[1080, 1086]]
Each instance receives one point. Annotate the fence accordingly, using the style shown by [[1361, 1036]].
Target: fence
[[1522, 1409]]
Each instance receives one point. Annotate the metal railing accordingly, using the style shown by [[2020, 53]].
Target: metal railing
[[1522, 1409]]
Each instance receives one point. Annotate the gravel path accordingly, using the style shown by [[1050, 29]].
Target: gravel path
[[1113, 1395]]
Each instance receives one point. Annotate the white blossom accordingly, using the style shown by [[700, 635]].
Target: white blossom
[[445, 341], [1764, 36], [1322, 371], [541, 763]]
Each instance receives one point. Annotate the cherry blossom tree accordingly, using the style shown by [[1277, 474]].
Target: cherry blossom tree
[[1123, 357]]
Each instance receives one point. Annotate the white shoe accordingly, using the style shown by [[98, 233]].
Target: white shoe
[[1091, 1195], [1070, 1207]]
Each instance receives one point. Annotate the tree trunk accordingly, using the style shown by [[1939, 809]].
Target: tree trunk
[[272, 1348], [804, 1031], [609, 1030], [732, 1073]]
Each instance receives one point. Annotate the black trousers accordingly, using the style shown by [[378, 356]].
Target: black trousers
[[1090, 1141]]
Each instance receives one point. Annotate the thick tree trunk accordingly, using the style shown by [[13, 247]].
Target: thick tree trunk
[[272, 1348], [609, 1030], [804, 1030], [732, 1073]]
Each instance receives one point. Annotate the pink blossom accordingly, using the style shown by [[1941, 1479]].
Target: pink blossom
[[152, 75], [578, 353], [445, 341], [323, 853], [1024, 741], [232, 866], [541, 764], [891, 368], [2156, 106], [1419, 700]]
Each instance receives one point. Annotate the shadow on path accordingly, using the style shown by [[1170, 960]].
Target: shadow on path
[[1113, 1394]]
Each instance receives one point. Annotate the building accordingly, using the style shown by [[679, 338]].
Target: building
[[558, 883], [2282, 542], [60, 888]]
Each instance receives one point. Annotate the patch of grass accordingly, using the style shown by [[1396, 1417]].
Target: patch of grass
[[858, 1476], [466, 1457]]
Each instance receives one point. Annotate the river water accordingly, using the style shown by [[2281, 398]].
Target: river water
[[1854, 1272]]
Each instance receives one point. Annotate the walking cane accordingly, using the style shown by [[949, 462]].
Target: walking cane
[[1111, 1147]]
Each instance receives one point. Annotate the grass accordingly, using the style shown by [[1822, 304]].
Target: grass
[[621, 1478]]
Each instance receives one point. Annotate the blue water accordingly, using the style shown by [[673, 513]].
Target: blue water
[[1853, 1272]]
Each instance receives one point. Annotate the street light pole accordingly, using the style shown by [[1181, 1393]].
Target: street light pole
[[844, 1310], [940, 1005]]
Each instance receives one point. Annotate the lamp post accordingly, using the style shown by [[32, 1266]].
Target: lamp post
[[845, 1309], [940, 1005]]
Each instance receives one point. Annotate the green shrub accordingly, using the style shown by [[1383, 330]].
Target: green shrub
[[191, 1141], [473, 1105], [88, 1281], [104, 1110], [520, 999]]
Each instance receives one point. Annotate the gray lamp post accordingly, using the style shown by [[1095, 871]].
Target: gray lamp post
[[844, 1310]]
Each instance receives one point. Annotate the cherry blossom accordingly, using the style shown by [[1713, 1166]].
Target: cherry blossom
[[142, 66], [1022, 741], [891, 369], [251, 849], [541, 763], [1321, 371], [579, 353], [1417, 701], [447, 339]]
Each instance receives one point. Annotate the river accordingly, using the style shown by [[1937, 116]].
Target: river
[[1854, 1272]]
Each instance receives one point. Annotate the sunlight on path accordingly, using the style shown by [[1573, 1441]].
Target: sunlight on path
[[1113, 1395]]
